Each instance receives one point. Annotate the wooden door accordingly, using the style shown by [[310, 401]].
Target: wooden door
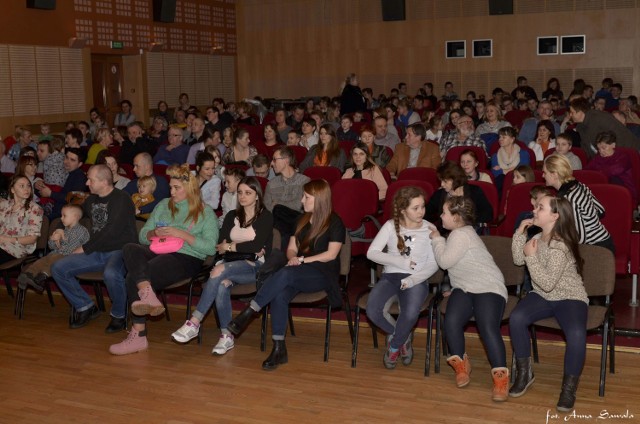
[[107, 77]]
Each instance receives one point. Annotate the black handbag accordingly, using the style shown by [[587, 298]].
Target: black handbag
[[239, 256]]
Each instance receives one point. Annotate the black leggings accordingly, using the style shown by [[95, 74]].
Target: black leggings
[[487, 308]]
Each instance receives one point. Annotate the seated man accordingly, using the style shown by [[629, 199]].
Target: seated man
[[76, 181], [260, 168], [530, 126], [113, 225], [284, 193], [415, 152], [136, 142], [383, 136], [464, 135], [143, 167]]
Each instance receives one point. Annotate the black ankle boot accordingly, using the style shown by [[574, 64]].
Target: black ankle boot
[[239, 323], [278, 356], [568, 393], [524, 377]]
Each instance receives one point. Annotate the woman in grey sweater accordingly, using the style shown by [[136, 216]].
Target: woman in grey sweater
[[478, 291]]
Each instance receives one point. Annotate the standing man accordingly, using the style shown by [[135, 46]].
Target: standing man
[[113, 225]]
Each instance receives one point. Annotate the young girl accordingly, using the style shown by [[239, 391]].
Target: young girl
[[555, 265], [404, 248], [217, 157], [208, 181], [523, 174], [230, 198], [144, 196], [478, 291]]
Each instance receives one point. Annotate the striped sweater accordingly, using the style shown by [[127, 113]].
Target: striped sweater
[[586, 212]]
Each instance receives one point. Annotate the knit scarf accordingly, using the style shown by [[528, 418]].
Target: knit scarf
[[508, 162]]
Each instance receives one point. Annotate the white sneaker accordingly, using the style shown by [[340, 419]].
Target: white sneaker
[[225, 343], [186, 333]]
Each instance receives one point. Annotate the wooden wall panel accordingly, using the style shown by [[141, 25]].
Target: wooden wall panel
[[72, 69], [277, 62], [6, 101], [49, 80], [23, 80], [155, 79]]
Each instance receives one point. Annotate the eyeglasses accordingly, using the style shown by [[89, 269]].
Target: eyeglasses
[[275, 159], [465, 122], [175, 135]]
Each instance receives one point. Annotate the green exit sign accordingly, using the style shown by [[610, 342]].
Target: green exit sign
[[117, 45]]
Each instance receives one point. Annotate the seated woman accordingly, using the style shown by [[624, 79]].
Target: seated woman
[[478, 291], [613, 163], [245, 240], [208, 181], [271, 140], [493, 120], [454, 182], [326, 153], [545, 139], [587, 210], [105, 157], [309, 136], [27, 166], [363, 168], [158, 131], [403, 246], [554, 262], [313, 265], [191, 227], [240, 149], [102, 141], [469, 162], [508, 157], [173, 153], [378, 154], [244, 110], [21, 220]]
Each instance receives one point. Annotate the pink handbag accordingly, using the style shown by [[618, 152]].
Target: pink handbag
[[170, 244]]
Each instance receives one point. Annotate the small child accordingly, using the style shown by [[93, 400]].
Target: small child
[[62, 242], [478, 290], [217, 157], [434, 130], [230, 198], [54, 173], [564, 142], [45, 132], [144, 196], [358, 116], [523, 174], [345, 133], [293, 138]]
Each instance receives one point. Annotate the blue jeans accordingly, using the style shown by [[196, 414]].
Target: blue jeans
[[570, 314], [239, 272], [409, 300], [487, 308], [284, 285], [110, 263]]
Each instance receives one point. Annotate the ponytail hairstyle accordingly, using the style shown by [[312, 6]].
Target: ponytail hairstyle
[[401, 201], [321, 213], [565, 228]]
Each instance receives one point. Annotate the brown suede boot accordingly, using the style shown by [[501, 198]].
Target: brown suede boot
[[462, 367], [500, 384]]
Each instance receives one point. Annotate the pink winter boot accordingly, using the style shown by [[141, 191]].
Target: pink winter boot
[[136, 341], [148, 303]]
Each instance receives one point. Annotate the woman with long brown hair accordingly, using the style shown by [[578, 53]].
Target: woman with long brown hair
[[182, 220], [313, 265], [327, 152]]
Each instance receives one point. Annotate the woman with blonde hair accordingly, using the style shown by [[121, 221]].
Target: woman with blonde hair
[[174, 243], [103, 140], [493, 120]]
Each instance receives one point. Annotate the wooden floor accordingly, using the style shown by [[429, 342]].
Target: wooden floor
[[51, 374]]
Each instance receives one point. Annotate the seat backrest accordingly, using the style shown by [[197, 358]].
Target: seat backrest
[[500, 249], [518, 200], [41, 243], [589, 177], [386, 175], [508, 182], [345, 256], [599, 271], [617, 219], [634, 155], [397, 185], [454, 153], [263, 183], [353, 199], [420, 173], [489, 139], [491, 193], [346, 147], [300, 153], [330, 174]]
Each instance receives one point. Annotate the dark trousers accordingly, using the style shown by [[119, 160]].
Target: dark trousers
[[570, 314], [160, 270], [487, 308], [284, 285]]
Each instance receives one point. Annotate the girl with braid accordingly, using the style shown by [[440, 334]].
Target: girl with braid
[[404, 248], [478, 291]]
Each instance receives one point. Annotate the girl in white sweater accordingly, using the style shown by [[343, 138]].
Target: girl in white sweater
[[478, 291], [408, 262]]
